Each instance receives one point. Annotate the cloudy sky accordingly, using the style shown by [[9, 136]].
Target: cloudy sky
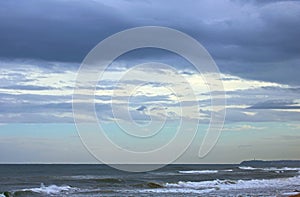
[[254, 43]]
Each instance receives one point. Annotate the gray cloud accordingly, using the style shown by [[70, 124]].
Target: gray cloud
[[55, 30], [266, 115], [252, 39], [276, 104], [141, 108], [26, 87]]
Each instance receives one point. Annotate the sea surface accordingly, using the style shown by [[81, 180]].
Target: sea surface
[[172, 180]]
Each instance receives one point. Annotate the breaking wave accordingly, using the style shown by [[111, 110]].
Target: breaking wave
[[199, 172], [51, 189], [239, 184], [270, 169], [247, 168]]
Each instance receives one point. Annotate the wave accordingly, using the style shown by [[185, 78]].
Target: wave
[[51, 189], [247, 168], [103, 179], [278, 170], [199, 172], [290, 193], [177, 190], [223, 185], [281, 169], [239, 184]]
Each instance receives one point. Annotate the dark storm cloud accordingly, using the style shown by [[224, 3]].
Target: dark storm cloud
[[252, 39], [55, 30], [269, 47]]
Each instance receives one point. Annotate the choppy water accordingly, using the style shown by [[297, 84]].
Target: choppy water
[[172, 180]]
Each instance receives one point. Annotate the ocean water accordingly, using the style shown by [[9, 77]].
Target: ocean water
[[172, 180]]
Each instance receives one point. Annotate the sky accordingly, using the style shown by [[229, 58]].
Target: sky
[[254, 43]]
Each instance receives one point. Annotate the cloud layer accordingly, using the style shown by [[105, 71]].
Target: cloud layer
[[31, 93], [250, 39]]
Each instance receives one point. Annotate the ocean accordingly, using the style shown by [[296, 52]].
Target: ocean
[[172, 180]]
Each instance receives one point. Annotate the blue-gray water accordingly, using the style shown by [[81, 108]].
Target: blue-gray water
[[172, 180]]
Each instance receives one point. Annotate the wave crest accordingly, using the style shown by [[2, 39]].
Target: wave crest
[[199, 172], [51, 189]]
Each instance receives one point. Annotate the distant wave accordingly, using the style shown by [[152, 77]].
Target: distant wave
[[50, 190], [247, 168], [269, 169], [100, 179], [290, 193], [228, 170], [199, 172], [281, 169]]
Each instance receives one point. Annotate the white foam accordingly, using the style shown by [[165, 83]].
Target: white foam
[[194, 185], [229, 170], [239, 184], [51, 189], [82, 177], [2, 195], [177, 190], [290, 193], [278, 170], [199, 172], [281, 169], [247, 168]]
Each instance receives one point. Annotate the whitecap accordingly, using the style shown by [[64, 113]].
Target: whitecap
[[247, 168], [290, 193], [199, 172], [176, 190], [239, 184], [51, 189], [281, 169], [270, 169]]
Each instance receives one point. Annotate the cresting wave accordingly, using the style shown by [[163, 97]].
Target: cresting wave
[[48, 190], [269, 169], [178, 190], [51, 189], [281, 169], [203, 171], [247, 168], [219, 185], [239, 184], [102, 179], [199, 172]]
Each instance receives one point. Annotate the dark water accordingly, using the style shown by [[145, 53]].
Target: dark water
[[172, 180]]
